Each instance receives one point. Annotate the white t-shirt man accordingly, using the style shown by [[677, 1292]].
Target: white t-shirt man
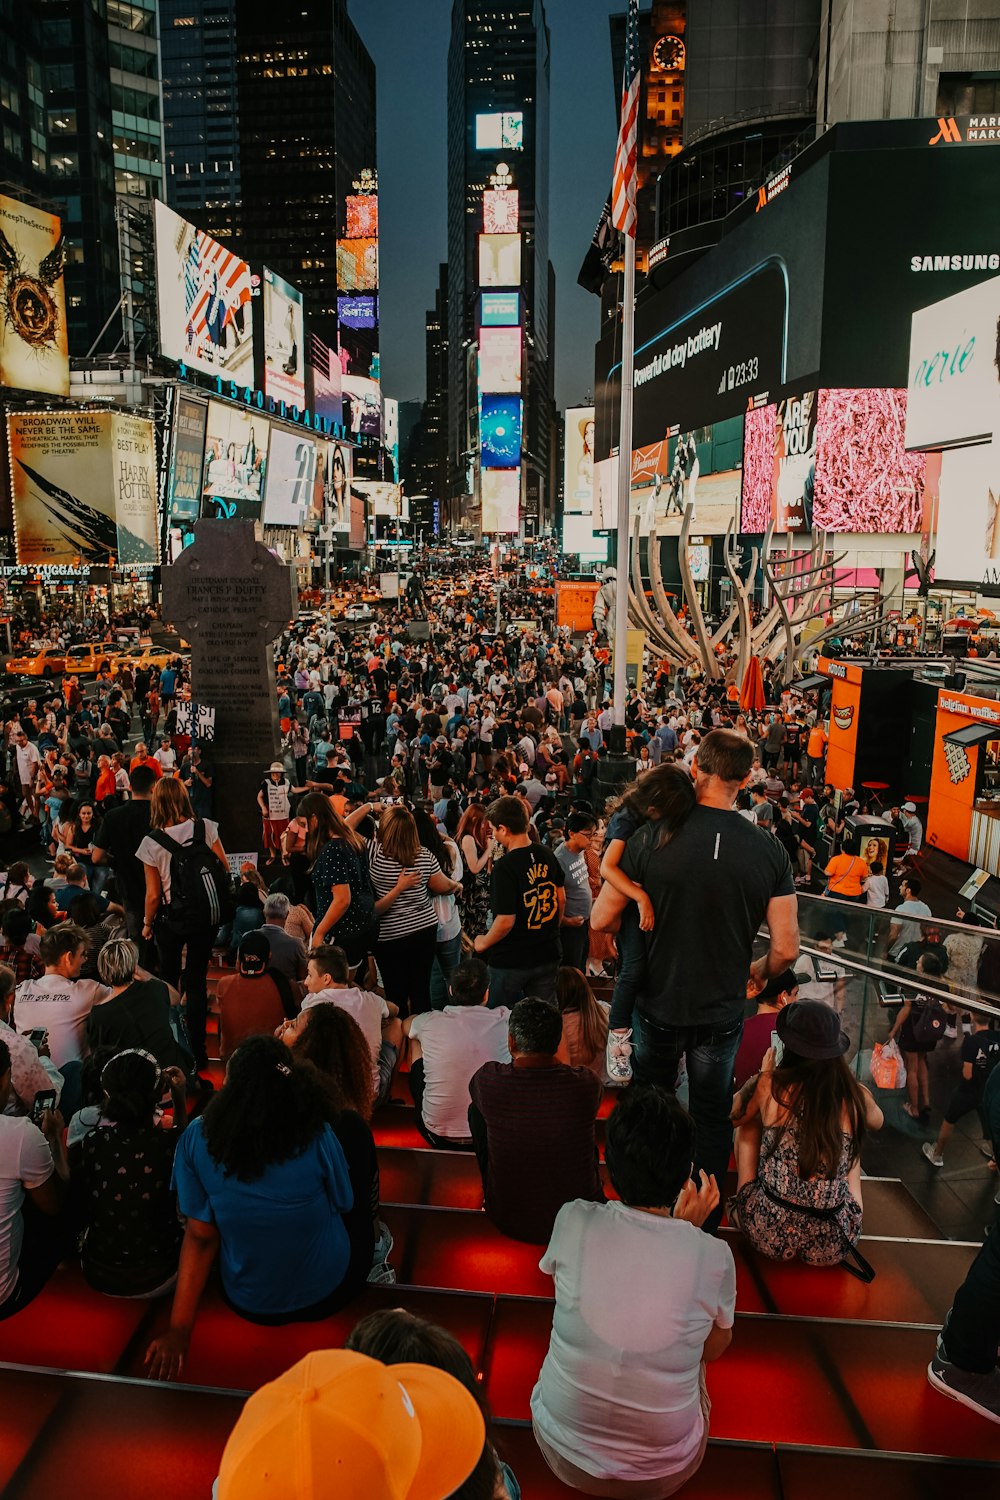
[[455, 1043], [150, 852], [363, 1006], [61, 1006], [165, 758], [909, 932], [28, 761], [619, 1390], [25, 1162]]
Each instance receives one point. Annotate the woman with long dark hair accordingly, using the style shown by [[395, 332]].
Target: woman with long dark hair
[[449, 919], [474, 840], [343, 898], [800, 1128], [405, 876], [585, 1023], [332, 1043], [263, 1183]]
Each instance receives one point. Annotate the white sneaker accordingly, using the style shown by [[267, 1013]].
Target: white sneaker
[[935, 1159], [618, 1061]]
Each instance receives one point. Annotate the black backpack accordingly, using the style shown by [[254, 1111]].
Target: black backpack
[[201, 895]]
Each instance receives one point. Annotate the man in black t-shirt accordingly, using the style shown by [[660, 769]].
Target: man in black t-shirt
[[527, 899], [712, 884], [121, 832]]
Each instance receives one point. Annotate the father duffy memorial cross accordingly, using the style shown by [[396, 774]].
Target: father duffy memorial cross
[[230, 597]]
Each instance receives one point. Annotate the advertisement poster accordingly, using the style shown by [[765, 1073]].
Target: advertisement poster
[[357, 312], [339, 460], [865, 479], [326, 371], [362, 216], [284, 345], [362, 401], [84, 487], [34, 353], [499, 260], [500, 310], [500, 211], [203, 296], [954, 387], [500, 360], [500, 431], [578, 480], [968, 531], [291, 478], [186, 458], [358, 521], [357, 265], [501, 491], [500, 132], [575, 604], [235, 465], [779, 468]]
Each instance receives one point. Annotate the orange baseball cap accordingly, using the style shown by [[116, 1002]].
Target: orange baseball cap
[[339, 1423]]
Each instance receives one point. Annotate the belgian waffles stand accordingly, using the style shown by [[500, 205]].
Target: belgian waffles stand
[[963, 814]]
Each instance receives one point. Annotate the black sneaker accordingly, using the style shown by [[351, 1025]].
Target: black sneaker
[[980, 1393]]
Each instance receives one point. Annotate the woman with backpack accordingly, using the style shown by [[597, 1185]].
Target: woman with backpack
[[187, 898]]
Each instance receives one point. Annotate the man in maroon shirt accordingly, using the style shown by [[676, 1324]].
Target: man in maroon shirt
[[532, 1125], [776, 994]]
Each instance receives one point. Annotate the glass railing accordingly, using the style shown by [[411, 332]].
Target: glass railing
[[863, 962]]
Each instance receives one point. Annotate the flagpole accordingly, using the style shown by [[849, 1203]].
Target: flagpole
[[622, 569]]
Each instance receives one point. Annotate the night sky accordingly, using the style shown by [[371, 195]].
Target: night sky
[[408, 40]]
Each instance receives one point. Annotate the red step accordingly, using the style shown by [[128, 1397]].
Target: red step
[[445, 1247], [231, 1354], [70, 1327]]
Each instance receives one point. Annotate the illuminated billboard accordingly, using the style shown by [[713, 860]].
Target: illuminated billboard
[[357, 312], [700, 466], [184, 486], [500, 131], [501, 492], [968, 527], [357, 265], [34, 353], [500, 309], [235, 466], [500, 360], [499, 260], [340, 457], [384, 500], [284, 341], [779, 465], [500, 431], [203, 296], [357, 537], [83, 485], [863, 478], [362, 216], [953, 392], [578, 536], [500, 211], [291, 478], [326, 371], [362, 405], [578, 476]]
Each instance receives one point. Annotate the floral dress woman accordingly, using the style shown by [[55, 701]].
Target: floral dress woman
[[788, 1217]]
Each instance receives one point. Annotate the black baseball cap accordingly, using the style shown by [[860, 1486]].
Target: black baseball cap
[[810, 1029]]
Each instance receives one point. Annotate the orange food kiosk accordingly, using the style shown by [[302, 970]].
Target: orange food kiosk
[[963, 813], [870, 722]]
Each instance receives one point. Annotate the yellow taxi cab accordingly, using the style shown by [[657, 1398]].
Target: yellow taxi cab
[[49, 661], [87, 659], [151, 658]]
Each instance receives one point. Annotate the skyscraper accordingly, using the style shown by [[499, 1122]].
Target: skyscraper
[[500, 408], [269, 119]]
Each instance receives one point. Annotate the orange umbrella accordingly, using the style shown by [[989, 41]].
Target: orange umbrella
[[752, 697]]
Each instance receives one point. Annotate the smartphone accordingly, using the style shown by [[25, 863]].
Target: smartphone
[[44, 1099], [37, 1037], [779, 1048]]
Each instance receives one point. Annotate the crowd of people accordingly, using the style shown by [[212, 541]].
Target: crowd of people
[[454, 897]]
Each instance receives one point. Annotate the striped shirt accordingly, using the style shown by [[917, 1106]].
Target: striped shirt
[[412, 910]]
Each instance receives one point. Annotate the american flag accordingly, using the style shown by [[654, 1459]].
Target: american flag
[[231, 279], [623, 214]]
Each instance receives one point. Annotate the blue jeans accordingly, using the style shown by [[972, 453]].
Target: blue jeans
[[711, 1053], [631, 967], [447, 957], [507, 986]]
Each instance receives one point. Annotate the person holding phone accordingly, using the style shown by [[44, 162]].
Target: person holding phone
[[33, 1170]]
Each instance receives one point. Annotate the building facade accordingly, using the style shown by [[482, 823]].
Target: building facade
[[500, 419]]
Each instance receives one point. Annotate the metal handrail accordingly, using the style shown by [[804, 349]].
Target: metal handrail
[[956, 1000], [888, 911]]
